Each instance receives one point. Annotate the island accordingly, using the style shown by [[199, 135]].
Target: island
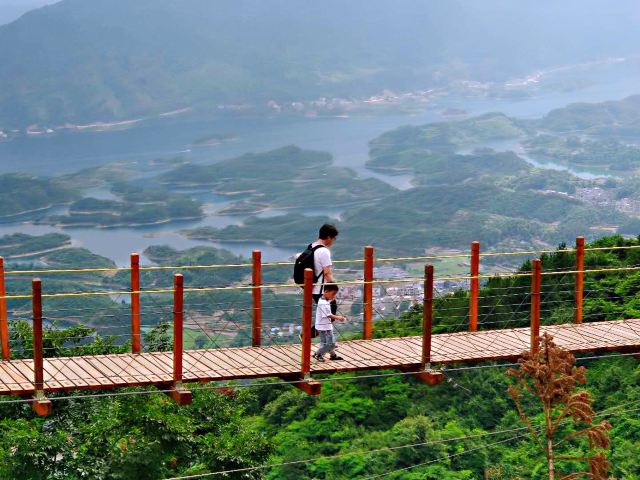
[[135, 208], [21, 245], [284, 178], [22, 194]]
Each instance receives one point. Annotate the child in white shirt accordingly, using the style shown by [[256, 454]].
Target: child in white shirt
[[324, 323]]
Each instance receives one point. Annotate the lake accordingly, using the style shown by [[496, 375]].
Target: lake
[[345, 138]]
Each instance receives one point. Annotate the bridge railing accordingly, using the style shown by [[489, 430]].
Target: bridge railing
[[530, 294]]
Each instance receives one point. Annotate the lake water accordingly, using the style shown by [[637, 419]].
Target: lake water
[[346, 138]]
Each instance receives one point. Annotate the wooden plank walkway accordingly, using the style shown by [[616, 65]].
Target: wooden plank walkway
[[122, 370]]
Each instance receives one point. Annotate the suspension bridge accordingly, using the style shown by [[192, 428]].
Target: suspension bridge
[[420, 355]]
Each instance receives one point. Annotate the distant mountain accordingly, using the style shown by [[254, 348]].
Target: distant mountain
[[103, 60], [613, 118], [12, 9]]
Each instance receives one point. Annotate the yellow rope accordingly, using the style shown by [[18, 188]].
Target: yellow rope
[[521, 252], [595, 270], [294, 286], [432, 257], [67, 270], [194, 267], [277, 264], [628, 247]]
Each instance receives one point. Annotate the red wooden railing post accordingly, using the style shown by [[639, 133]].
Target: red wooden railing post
[[256, 337], [40, 404], [474, 290], [579, 278], [38, 365], [135, 303], [4, 321], [179, 394], [307, 301], [536, 283], [367, 296], [427, 316], [178, 307]]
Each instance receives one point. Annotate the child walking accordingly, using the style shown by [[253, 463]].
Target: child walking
[[324, 324]]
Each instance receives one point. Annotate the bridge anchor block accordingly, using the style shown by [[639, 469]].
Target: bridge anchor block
[[41, 405], [306, 384], [178, 393], [430, 377], [426, 375]]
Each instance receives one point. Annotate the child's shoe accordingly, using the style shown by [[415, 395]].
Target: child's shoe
[[319, 358], [335, 356]]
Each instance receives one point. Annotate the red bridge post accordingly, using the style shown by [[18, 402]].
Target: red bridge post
[[427, 317], [178, 393], [367, 296], [307, 301], [40, 405], [579, 278], [303, 380], [256, 337], [474, 290], [425, 374], [4, 322], [536, 284], [135, 303]]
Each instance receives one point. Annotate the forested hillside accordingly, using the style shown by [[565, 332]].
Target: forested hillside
[[465, 428]]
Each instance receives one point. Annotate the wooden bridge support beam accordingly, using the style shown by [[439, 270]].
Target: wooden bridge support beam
[[303, 381], [536, 284], [40, 404], [135, 303], [256, 293], [367, 294], [178, 393], [474, 287], [579, 278], [4, 321]]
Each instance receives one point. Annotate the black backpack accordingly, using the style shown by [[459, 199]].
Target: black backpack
[[304, 261]]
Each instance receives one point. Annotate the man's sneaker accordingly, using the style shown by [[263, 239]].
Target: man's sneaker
[[335, 357], [319, 358]]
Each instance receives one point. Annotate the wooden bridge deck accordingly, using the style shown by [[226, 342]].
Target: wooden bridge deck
[[112, 371]]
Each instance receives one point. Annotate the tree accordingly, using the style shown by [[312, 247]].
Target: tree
[[549, 377]]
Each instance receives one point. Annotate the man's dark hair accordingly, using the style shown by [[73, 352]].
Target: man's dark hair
[[331, 287], [327, 230]]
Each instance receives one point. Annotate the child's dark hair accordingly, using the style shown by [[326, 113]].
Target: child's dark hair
[[331, 287], [327, 230]]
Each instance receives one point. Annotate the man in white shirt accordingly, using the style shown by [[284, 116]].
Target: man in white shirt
[[324, 323], [322, 266]]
